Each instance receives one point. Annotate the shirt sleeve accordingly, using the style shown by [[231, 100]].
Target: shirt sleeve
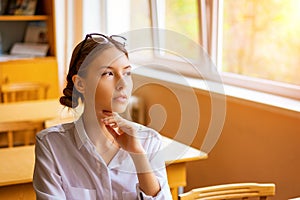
[[163, 194], [46, 180], [157, 162]]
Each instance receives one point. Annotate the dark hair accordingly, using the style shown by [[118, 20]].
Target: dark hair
[[70, 94]]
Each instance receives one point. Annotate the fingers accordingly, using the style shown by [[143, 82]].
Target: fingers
[[112, 123], [119, 124], [115, 132], [112, 131], [114, 117], [125, 132], [115, 120]]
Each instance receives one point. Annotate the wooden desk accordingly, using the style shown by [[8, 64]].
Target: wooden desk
[[176, 154], [40, 110], [16, 170]]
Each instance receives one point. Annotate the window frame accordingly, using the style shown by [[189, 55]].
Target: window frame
[[210, 37]]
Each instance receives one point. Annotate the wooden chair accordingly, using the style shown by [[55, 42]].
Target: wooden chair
[[231, 191], [27, 127], [12, 92]]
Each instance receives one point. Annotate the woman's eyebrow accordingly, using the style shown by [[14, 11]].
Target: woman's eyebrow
[[104, 67], [127, 67], [110, 67]]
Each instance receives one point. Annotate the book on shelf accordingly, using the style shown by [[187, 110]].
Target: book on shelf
[[3, 6], [29, 49], [36, 32], [21, 7], [35, 42]]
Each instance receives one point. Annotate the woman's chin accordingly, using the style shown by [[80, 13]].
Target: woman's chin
[[119, 108]]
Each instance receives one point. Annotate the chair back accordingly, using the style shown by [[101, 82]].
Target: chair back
[[12, 92], [28, 129], [231, 191]]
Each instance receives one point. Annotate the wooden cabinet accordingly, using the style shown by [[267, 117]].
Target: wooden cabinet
[[40, 69]]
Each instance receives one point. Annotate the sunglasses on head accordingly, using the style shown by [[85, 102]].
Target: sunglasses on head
[[101, 39]]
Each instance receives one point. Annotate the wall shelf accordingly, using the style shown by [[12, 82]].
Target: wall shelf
[[23, 18]]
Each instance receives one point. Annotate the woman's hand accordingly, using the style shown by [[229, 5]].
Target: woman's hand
[[124, 132]]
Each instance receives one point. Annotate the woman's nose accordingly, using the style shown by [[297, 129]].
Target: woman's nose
[[121, 84]]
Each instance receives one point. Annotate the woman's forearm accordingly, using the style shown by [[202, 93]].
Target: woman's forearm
[[148, 182]]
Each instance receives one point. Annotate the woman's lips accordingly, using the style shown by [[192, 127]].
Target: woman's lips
[[121, 98]]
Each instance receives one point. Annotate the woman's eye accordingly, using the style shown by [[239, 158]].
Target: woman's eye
[[128, 73], [107, 74]]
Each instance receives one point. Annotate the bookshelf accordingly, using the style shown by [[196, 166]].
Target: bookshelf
[[21, 69]]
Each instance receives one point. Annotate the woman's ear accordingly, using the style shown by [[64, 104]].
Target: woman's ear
[[79, 83]]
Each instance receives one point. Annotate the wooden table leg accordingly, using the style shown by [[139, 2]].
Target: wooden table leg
[[176, 177]]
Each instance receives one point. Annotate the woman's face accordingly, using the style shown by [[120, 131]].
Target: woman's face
[[109, 82]]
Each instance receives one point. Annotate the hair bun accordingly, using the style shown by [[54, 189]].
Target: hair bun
[[68, 92]]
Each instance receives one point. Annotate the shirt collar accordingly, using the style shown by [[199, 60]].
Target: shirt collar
[[81, 136]]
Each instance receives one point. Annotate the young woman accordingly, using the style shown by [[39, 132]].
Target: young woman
[[100, 155]]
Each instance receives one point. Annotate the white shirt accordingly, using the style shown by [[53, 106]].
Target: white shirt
[[68, 166]]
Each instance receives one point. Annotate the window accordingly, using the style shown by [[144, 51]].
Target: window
[[132, 19], [261, 39], [254, 43], [178, 25], [127, 15], [181, 16]]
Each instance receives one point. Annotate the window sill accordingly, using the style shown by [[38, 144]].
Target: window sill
[[232, 93]]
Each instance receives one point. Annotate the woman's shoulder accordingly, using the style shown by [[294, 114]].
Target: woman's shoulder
[[59, 129]]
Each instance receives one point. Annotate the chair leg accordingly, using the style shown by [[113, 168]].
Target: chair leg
[[10, 139]]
